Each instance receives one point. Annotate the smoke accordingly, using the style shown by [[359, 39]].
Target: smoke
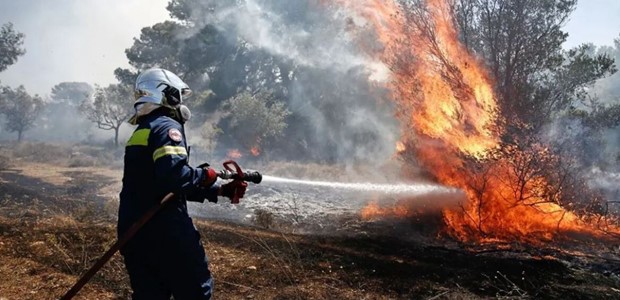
[[607, 91], [604, 173], [339, 112], [596, 146], [318, 40], [72, 40], [61, 120], [65, 124]]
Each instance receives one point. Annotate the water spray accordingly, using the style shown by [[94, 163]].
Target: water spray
[[400, 189]]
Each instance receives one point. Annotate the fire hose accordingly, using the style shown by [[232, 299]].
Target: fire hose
[[231, 171]]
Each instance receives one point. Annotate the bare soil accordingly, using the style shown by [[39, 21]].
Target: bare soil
[[55, 221]]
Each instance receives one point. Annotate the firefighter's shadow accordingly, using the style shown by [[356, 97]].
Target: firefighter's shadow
[[86, 184]]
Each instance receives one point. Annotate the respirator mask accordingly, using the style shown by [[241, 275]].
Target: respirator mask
[[174, 99]]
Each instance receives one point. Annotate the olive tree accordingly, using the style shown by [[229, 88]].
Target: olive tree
[[20, 109], [11, 43], [109, 108]]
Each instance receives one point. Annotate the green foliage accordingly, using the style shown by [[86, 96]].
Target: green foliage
[[189, 52], [540, 85], [192, 47], [598, 116], [20, 109], [158, 44], [11, 43], [125, 76], [255, 119], [609, 88], [521, 41], [110, 107], [192, 12], [568, 84]]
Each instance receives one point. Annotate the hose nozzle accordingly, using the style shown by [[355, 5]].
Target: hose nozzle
[[252, 176], [249, 176], [235, 173]]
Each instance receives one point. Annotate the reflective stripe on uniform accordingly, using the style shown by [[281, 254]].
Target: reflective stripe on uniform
[[169, 150], [140, 137]]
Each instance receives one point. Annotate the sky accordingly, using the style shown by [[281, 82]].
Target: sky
[[84, 40], [75, 40], [594, 21]]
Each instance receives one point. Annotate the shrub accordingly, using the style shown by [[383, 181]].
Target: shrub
[[82, 161], [263, 218], [5, 162], [42, 152]]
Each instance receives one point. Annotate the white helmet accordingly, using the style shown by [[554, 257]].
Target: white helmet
[[156, 88]]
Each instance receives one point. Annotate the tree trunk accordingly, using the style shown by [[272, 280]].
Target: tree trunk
[[19, 136], [116, 136]]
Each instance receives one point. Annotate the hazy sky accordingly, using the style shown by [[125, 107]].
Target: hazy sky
[[594, 21], [84, 40], [75, 40]]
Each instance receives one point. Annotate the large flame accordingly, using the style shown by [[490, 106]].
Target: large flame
[[450, 115]]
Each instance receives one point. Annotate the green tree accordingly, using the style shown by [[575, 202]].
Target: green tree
[[205, 56], [553, 120], [157, 45], [191, 55], [125, 76], [11, 43], [20, 110], [62, 113], [609, 88], [255, 119], [109, 108], [521, 41]]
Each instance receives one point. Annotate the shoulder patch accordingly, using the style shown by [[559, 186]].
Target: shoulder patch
[[175, 135]]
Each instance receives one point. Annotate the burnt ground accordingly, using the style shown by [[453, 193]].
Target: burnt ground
[[53, 230]]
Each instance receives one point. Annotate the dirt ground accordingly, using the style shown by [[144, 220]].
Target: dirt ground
[[56, 220]]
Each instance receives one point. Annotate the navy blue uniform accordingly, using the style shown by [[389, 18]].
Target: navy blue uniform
[[165, 257]]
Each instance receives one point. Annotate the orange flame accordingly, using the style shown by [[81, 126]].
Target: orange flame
[[448, 109], [255, 150], [371, 211], [234, 154], [374, 211]]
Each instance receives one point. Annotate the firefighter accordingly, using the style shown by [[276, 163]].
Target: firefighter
[[165, 258]]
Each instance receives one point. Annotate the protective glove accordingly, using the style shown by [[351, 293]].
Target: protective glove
[[204, 193], [234, 190], [210, 176]]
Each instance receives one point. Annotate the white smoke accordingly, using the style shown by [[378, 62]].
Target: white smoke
[[323, 46], [337, 91]]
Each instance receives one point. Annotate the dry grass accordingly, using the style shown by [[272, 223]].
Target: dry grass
[[55, 251], [43, 256], [65, 155], [5, 162], [50, 232]]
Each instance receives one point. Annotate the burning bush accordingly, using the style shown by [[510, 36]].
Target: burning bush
[[517, 187]]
